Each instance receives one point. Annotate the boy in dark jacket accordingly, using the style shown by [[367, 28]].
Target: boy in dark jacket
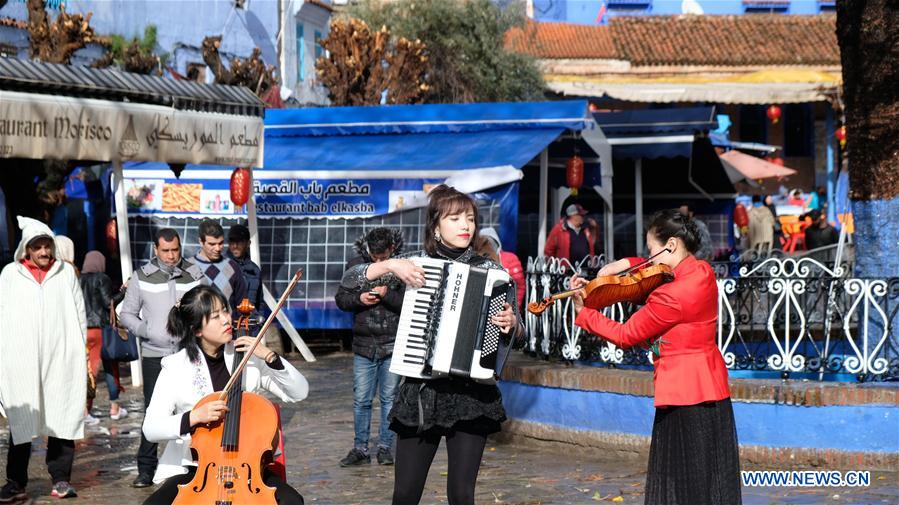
[[374, 331]]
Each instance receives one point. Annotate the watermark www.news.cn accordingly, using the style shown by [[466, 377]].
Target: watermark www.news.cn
[[806, 478]]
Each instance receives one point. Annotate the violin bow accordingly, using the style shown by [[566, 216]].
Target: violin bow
[[642, 263], [268, 322]]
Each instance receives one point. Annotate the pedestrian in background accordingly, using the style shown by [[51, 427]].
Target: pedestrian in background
[[224, 273], [42, 364], [572, 238], [376, 314], [704, 252], [99, 298], [761, 225], [152, 292], [509, 261], [239, 251]]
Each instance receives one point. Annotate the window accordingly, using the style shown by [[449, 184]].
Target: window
[[753, 124], [827, 5], [798, 130], [8, 51], [196, 72], [766, 6], [301, 53], [629, 7], [319, 50]]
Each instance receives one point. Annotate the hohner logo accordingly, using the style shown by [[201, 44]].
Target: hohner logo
[[456, 288]]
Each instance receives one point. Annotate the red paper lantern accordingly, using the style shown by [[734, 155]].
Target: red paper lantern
[[240, 186], [774, 114], [112, 237], [840, 134], [741, 217], [574, 173]]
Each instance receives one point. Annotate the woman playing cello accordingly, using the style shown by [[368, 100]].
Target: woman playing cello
[[693, 457], [202, 322]]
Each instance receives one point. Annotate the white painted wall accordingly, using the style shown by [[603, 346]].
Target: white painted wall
[[313, 19]]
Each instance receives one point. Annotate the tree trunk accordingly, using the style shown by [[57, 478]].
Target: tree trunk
[[868, 34]]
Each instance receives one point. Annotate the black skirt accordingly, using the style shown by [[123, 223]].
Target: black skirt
[[694, 458], [441, 406]]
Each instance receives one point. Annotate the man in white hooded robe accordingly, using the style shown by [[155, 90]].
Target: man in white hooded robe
[[43, 370]]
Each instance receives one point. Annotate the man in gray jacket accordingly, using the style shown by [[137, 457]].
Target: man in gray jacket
[[152, 292]]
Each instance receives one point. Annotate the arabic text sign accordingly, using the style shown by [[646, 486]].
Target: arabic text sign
[[277, 197], [42, 126], [321, 197]]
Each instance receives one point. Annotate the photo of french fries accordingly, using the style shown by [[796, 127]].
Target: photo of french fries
[[181, 197]]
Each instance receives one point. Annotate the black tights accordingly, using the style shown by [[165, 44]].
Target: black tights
[[414, 455]]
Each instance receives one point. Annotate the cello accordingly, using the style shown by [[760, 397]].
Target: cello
[[231, 452], [631, 285]]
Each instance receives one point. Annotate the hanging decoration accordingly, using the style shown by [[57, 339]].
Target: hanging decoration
[[574, 173], [112, 237], [840, 134], [741, 218], [240, 186], [774, 114]]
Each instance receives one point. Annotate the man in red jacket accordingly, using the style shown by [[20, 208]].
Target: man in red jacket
[[571, 237]]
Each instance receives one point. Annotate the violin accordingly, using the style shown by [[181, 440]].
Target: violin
[[232, 452], [632, 285]]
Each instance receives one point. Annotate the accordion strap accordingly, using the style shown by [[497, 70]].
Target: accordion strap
[[502, 363], [421, 411]]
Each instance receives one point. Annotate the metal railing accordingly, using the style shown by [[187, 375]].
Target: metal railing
[[776, 314]]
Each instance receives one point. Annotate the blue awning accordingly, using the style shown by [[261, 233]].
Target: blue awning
[[443, 152], [655, 133], [431, 119], [418, 138]]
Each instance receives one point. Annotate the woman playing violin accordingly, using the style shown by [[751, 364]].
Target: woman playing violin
[[693, 457], [202, 322]]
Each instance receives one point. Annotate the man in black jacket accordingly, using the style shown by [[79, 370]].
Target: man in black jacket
[[374, 331]]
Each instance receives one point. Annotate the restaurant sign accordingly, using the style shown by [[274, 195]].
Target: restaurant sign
[[56, 127]]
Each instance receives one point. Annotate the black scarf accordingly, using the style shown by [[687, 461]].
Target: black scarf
[[450, 252]]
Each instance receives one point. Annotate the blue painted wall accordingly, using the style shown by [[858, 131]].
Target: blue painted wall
[[586, 11], [181, 25], [846, 428]]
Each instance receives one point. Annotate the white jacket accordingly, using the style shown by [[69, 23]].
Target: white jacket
[[43, 363], [182, 383]]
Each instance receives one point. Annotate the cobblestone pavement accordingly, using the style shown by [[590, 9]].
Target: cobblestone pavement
[[319, 431]]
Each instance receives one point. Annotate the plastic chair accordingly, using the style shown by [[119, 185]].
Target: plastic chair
[[793, 231]]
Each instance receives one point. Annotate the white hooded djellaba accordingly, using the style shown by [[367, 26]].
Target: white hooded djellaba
[[43, 369]]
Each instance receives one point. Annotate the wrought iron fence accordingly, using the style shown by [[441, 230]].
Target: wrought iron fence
[[785, 315]]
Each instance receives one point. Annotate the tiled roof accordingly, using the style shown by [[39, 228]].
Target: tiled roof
[[727, 40], [110, 84], [561, 40], [752, 39]]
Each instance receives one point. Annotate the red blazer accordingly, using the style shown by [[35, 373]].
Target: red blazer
[[689, 368]]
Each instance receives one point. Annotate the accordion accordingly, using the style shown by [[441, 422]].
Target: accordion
[[444, 327]]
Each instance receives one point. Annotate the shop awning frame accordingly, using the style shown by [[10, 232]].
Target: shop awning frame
[[459, 136]]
